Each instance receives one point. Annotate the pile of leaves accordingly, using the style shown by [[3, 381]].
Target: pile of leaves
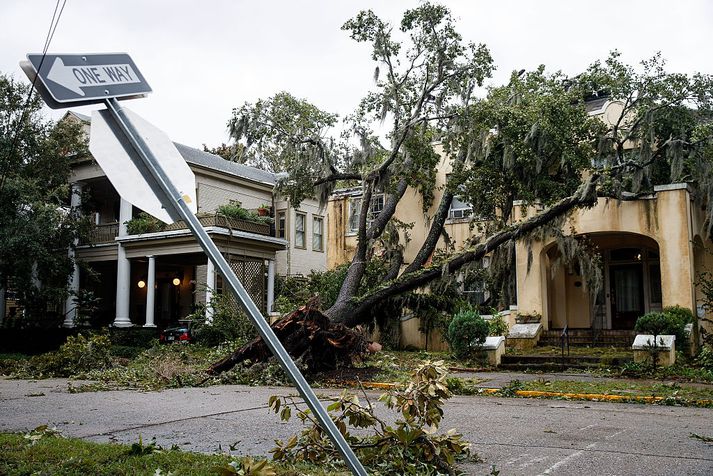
[[411, 445]]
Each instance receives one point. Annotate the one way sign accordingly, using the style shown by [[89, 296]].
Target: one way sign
[[89, 78]]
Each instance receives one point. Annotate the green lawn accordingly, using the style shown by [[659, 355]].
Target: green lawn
[[55, 455]]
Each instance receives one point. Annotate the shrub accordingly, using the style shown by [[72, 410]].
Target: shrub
[[405, 444], [663, 323], [705, 358], [139, 337], [497, 326], [144, 223], [293, 292], [229, 323], [683, 314], [466, 333], [234, 209]]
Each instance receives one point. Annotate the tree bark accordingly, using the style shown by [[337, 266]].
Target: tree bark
[[434, 234], [365, 236], [356, 311]]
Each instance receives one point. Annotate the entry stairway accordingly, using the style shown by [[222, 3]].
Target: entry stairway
[[589, 337], [540, 359]]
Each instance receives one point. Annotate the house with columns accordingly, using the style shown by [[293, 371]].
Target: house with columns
[[157, 276]]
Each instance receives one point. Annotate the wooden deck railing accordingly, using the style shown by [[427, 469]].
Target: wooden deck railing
[[224, 222]]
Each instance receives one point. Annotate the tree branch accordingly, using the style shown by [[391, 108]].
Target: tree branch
[[586, 195], [336, 177]]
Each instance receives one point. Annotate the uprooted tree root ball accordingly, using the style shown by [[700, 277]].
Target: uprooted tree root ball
[[310, 338]]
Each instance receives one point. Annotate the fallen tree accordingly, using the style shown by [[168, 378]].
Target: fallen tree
[[310, 338], [532, 139]]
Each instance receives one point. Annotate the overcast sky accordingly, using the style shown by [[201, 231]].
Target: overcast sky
[[202, 58]]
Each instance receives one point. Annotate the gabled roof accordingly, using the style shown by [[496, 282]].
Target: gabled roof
[[215, 162], [80, 116], [209, 161]]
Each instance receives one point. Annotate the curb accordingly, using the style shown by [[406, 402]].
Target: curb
[[542, 394], [589, 396]]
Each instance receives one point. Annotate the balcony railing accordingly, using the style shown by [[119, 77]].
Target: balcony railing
[[106, 232], [224, 222]]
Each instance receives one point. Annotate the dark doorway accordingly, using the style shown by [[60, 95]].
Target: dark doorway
[[627, 294]]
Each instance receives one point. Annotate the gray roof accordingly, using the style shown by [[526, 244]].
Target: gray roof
[[595, 104], [212, 161], [215, 162], [79, 115]]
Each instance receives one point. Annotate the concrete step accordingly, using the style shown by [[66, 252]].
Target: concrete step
[[545, 362], [586, 337], [587, 342]]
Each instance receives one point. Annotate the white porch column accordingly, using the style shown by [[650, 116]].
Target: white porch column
[[123, 271], [2, 304], [151, 292], [270, 285], [70, 305], [210, 283]]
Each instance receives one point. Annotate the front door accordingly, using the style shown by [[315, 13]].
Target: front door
[[627, 294]]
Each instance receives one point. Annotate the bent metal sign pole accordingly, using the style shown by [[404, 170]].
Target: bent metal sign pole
[[88, 79]]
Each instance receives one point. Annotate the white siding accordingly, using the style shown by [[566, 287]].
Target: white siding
[[213, 193], [300, 261]]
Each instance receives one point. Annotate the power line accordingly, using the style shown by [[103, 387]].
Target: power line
[[48, 40]]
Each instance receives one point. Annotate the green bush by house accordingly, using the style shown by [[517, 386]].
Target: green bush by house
[[467, 332], [672, 321]]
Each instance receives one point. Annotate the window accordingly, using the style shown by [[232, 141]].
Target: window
[[375, 207], [317, 234], [300, 219], [459, 209], [475, 292], [354, 212], [281, 224]]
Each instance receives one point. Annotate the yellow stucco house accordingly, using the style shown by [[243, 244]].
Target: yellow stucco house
[[652, 249]]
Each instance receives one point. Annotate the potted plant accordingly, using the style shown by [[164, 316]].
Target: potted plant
[[263, 210]]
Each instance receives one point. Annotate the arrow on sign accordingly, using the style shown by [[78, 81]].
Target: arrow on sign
[[76, 77]]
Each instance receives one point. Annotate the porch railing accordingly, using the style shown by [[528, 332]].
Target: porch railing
[[103, 233], [107, 232]]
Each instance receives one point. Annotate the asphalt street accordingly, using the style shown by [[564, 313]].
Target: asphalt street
[[518, 436]]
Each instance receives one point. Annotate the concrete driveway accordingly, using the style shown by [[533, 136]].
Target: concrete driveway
[[518, 436]]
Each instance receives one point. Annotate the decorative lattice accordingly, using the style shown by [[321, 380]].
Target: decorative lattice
[[251, 274]]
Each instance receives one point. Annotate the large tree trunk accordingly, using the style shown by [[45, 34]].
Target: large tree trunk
[[357, 311], [325, 340]]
